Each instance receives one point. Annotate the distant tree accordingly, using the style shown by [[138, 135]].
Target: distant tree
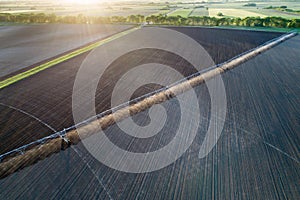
[[247, 21], [133, 19], [237, 21], [258, 22], [162, 18], [294, 23], [81, 19], [220, 14], [69, 19], [221, 21], [269, 7], [206, 20], [118, 19], [103, 20], [51, 18], [173, 20], [250, 4], [40, 18], [212, 21], [183, 21]]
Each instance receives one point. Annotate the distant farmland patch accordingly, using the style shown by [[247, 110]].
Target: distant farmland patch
[[163, 12], [213, 12], [277, 13], [110, 12], [182, 12], [200, 12], [21, 11]]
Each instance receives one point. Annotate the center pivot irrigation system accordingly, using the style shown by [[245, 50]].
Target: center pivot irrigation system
[[31, 153]]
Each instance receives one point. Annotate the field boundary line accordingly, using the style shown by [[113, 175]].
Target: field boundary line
[[62, 58], [40, 149]]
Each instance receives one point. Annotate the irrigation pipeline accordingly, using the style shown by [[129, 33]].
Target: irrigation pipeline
[[31, 153]]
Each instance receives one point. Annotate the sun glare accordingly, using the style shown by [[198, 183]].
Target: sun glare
[[84, 1]]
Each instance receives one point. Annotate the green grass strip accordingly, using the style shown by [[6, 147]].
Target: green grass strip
[[63, 58]]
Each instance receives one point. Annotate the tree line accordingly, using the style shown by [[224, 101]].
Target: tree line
[[153, 19], [278, 22]]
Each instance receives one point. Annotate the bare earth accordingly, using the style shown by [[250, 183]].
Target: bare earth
[[22, 46], [256, 157]]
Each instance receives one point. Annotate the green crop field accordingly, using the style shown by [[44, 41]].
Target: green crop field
[[162, 12], [238, 9], [182, 12], [200, 12], [232, 12], [277, 13]]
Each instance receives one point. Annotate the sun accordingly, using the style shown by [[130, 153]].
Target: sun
[[84, 1]]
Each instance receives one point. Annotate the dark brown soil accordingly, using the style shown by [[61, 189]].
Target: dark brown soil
[[24, 46], [48, 94], [256, 157]]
